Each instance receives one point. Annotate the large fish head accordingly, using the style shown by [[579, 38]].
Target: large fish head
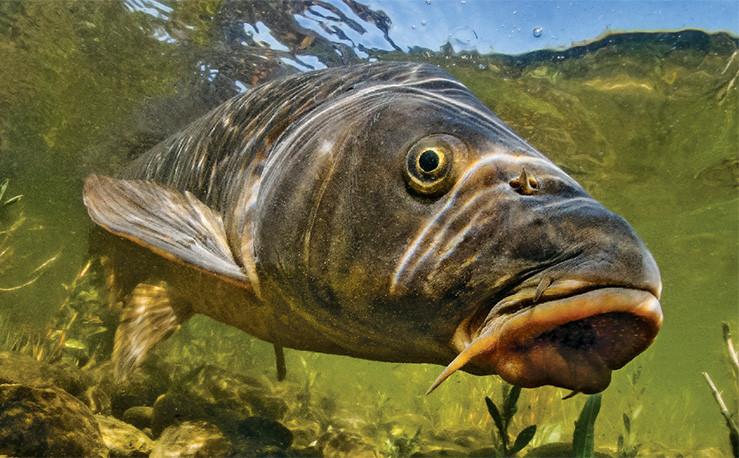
[[415, 207]]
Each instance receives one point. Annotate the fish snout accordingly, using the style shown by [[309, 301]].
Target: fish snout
[[572, 321], [575, 322]]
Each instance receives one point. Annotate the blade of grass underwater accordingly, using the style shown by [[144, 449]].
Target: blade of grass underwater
[[509, 404], [4, 187], [495, 415], [523, 439], [13, 200], [583, 440]]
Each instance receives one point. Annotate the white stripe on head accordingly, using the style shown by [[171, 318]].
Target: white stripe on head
[[436, 229]]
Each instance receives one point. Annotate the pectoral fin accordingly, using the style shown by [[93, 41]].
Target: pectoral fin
[[172, 224]]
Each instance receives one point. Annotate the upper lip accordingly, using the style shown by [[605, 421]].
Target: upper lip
[[524, 295], [529, 293]]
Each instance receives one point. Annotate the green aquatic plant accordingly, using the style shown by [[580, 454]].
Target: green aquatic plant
[[402, 446], [626, 445], [20, 339], [502, 419], [729, 419], [583, 439], [7, 228], [11, 223], [9, 201], [81, 331]]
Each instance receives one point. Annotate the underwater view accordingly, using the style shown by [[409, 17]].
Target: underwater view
[[301, 212]]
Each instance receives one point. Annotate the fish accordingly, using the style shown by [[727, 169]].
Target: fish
[[379, 211]]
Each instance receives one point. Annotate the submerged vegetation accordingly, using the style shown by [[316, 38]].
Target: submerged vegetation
[[7, 201], [74, 334], [502, 419], [627, 445], [12, 224], [583, 439], [729, 418]]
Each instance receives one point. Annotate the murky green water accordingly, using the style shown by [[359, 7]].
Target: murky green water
[[647, 123]]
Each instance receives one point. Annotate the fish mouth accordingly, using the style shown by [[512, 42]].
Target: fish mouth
[[571, 340]]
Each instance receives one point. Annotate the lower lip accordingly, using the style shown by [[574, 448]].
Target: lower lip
[[514, 355]]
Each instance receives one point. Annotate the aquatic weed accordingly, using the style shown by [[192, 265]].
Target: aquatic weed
[[502, 418], [10, 201], [19, 339], [626, 445], [728, 417], [583, 439], [402, 446], [81, 331], [10, 225], [74, 334]]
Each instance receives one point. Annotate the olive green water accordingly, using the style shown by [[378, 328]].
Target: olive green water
[[647, 123]]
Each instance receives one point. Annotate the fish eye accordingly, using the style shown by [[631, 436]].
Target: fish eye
[[430, 164], [429, 161]]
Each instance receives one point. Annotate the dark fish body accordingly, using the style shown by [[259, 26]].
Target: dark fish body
[[379, 211]]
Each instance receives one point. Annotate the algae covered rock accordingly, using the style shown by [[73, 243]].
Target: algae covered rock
[[215, 386], [142, 387], [304, 431], [262, 436], [97, 398], [18, 368], [344, 444], [122, 439], [36, 421], [192, 439], [431, 448], [557, 450], [174, 408], [139, 416], [217, 396]]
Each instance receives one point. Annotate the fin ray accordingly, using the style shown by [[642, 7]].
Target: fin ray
[[149, 317], [172, 224]]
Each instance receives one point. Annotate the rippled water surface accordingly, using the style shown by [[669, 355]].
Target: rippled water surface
[[647, 122]]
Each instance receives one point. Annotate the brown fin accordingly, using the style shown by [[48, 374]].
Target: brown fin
[[149, 317], [172, 224]]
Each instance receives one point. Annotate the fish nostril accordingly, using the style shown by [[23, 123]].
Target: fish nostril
[[525, 184]]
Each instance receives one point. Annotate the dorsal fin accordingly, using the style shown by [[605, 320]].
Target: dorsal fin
[[172, 224]]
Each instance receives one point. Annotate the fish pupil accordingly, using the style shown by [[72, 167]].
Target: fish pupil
[[428, 161]]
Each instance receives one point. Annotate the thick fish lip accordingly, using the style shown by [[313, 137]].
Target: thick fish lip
[[572, 342]]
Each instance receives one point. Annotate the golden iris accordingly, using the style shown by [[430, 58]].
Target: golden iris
[[430, 164]]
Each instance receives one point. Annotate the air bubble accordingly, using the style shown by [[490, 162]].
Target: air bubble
[[537, 32]]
